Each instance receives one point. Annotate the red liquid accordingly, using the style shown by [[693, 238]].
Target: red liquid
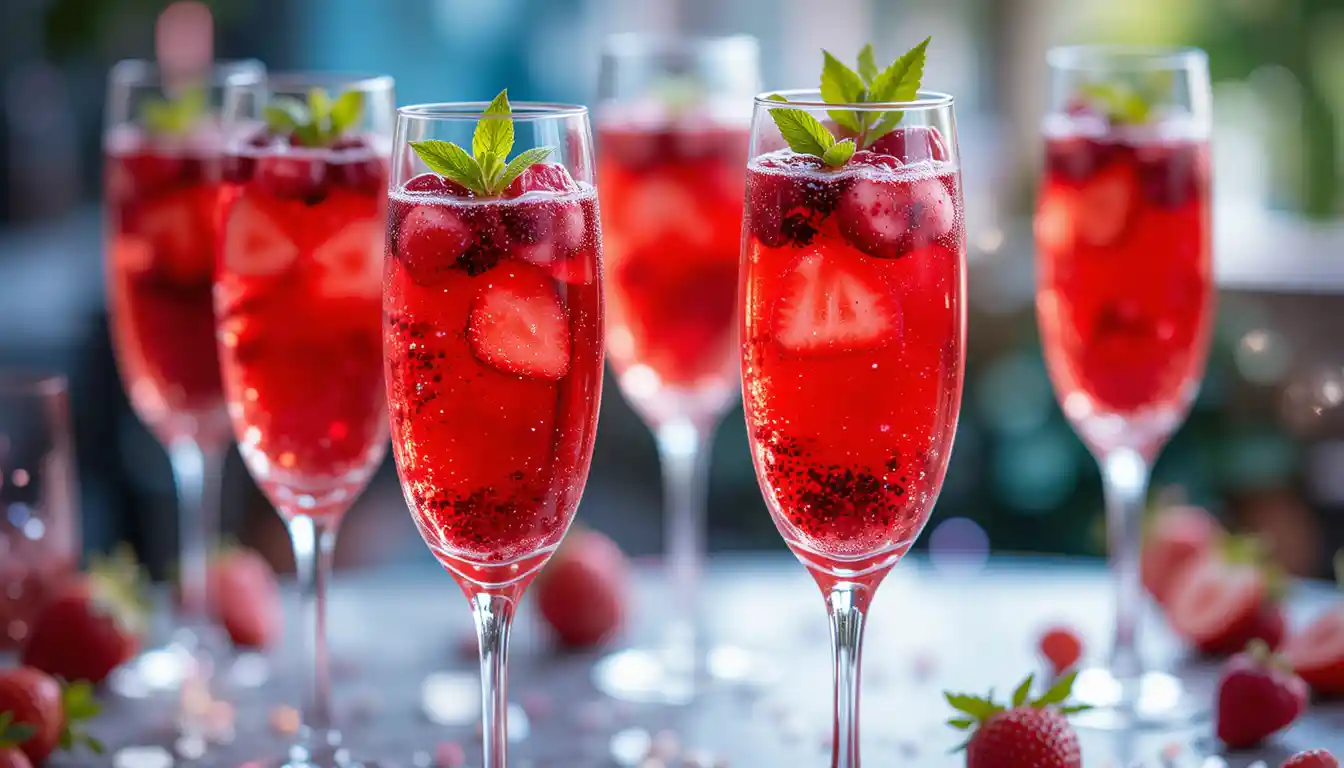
[[493, 331], [299, 322], [853, 342], [672, 230], [160, 261], [1125, 296]]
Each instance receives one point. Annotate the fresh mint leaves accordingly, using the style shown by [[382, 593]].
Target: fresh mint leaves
[[319, 121], [842, 85], [174, 116], [1126, 101], [484, 171]]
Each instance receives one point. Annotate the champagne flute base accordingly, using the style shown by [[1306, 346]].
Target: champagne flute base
[[660, 676], [1151, 701]]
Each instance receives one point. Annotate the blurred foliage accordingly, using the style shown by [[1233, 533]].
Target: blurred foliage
[[75, 27]]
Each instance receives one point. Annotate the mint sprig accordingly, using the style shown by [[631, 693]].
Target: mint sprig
[[1127, 101], [899, 81], [484, 171], [317, 122], [174, 116]]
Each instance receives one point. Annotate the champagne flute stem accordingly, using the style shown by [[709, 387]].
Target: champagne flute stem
[[314, 541], [1125, 474], [196, 474], [494, 617], [846, 604], [683, 452]]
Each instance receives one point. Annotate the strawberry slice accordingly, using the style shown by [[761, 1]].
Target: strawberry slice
[[835, 306], [1176, 538], [353, 261], [1104, 204], [1317, 653], [180, 236], [254, 244], [1227, 599], [518, 324]]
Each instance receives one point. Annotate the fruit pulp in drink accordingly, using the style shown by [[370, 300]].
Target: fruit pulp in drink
[[853, 345]]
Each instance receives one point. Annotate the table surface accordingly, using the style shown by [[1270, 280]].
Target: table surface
[[406, 683]]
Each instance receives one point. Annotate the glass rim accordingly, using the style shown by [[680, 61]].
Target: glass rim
[[1090, 57], [143, 72], [810, 98], [665, 43], [522, 111], [299, 81], [26, 382]]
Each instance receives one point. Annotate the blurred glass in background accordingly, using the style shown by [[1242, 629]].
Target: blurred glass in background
[[1264, 447]]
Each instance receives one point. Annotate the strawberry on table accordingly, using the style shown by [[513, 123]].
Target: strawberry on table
[[581, 593], [12, 739], [1230, 596], [1258, 695], [246, 597], [1026, 734], [47, 716], [1062, 648], [92, 625], [1176, 538], [1317, 652], [1312, 758]]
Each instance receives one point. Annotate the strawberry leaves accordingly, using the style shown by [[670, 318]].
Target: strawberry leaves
[[974, 711], [842, 85], [318, 122], [79, 704], [483, 171], [12, 734]]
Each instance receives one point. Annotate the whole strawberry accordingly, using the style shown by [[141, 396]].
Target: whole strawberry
[[581, 593], [36, 700], [1317, 652], [1173, 540], [1258, 695], [245, 597], [1312, 758], [1061, 647], [1028, 734], [91, 626], [1229, 597]]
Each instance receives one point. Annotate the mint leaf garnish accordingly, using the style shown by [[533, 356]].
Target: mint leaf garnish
[[1119, 102], [803, 132], [174, 116], [867, 65], [842, 85], [484, 172], [317, 122]]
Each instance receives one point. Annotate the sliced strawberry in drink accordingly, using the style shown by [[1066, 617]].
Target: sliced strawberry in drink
[[254, 244], [1104, 204], [180, 236], [1317, 653], [887, 219], [518, 324], [832, 305], [914, 144], [132, 254], [1053, 224], [352, 261], [542, 177], [430, 241]]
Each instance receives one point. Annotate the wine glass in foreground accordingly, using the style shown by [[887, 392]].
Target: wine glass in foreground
[[493, 343], [297, 305], [163, 153], [852, 349], [1125, 302], [672, 132]]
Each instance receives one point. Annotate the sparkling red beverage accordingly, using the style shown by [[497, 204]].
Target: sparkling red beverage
[[297, 301], [493, 333], [672, 225], [1126, 287], [852, 346], [162, 194]]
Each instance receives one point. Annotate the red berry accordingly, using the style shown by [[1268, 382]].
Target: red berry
[[887, 219], [91, 627], [1175, 539], [1227, 599], [1258, 695], [1029, 734], [293, 178], [246, 598], [913, 144], [430, 241], [581, 593], [1317, 653], [34, 699], [435, 184], [1076, 158], [1062, 647], [1312, 758], [11, 757], [542, 177]]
